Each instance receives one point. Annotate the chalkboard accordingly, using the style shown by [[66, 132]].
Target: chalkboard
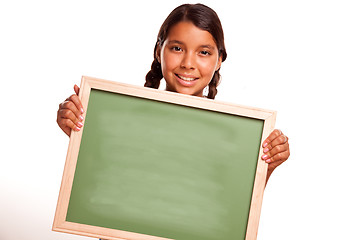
[[150, 164]]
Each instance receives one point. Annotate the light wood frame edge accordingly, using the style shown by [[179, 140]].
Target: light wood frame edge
[[70, 164], [176, 98], [87, 83], [259, 183]]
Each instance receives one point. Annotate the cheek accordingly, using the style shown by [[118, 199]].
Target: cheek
[[168, 62], [207, 67]]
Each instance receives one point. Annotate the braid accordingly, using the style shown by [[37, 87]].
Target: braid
[[154, 76], [213, 84]]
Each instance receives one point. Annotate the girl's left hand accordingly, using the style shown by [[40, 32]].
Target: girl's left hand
[[276, 150]]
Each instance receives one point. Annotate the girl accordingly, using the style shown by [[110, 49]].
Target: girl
[[188, 54]]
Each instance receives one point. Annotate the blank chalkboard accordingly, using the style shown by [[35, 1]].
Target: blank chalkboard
[[149, 164]]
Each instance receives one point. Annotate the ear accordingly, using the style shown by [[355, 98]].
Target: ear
[[219, 63]]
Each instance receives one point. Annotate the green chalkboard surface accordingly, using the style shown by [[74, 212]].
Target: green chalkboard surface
[[165, 170], [155, 165]]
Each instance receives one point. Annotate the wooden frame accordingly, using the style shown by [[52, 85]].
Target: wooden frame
[[60, 224]]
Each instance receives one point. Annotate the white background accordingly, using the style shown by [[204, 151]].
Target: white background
[[301, 58]]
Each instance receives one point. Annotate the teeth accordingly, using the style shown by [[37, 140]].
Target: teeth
[[186, 78]]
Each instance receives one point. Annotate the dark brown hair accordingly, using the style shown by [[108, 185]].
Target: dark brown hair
[[202, 17]]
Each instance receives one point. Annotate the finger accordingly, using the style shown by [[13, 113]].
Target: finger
[[76, 89], [278, 149], [279, 157], [68, 114], [276, 133], [270, 152], [66, 123], [76, 100], [280, 140], [70, 105], [62, 125]]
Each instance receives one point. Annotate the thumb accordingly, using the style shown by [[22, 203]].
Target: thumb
[[76, 89]]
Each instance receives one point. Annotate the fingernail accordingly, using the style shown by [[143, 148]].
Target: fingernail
[[82, 110], [265, 144], [81, 117], [266, 150], [264, 156], [268, 161], [80, 124], [77, 129]]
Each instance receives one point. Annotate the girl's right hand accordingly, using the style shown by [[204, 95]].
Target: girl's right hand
[[69, 115]]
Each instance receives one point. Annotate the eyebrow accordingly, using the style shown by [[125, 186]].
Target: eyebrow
[[201, 46], [208, 46], [176, 41]]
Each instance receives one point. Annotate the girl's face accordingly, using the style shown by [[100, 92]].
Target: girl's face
[[189, 58]]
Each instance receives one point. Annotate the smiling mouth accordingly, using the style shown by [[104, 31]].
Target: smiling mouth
[[189, 79]]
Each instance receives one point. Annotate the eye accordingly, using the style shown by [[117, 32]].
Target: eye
[[205, 53], [176, 49]]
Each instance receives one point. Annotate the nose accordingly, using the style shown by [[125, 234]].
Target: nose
[[188, 61]]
